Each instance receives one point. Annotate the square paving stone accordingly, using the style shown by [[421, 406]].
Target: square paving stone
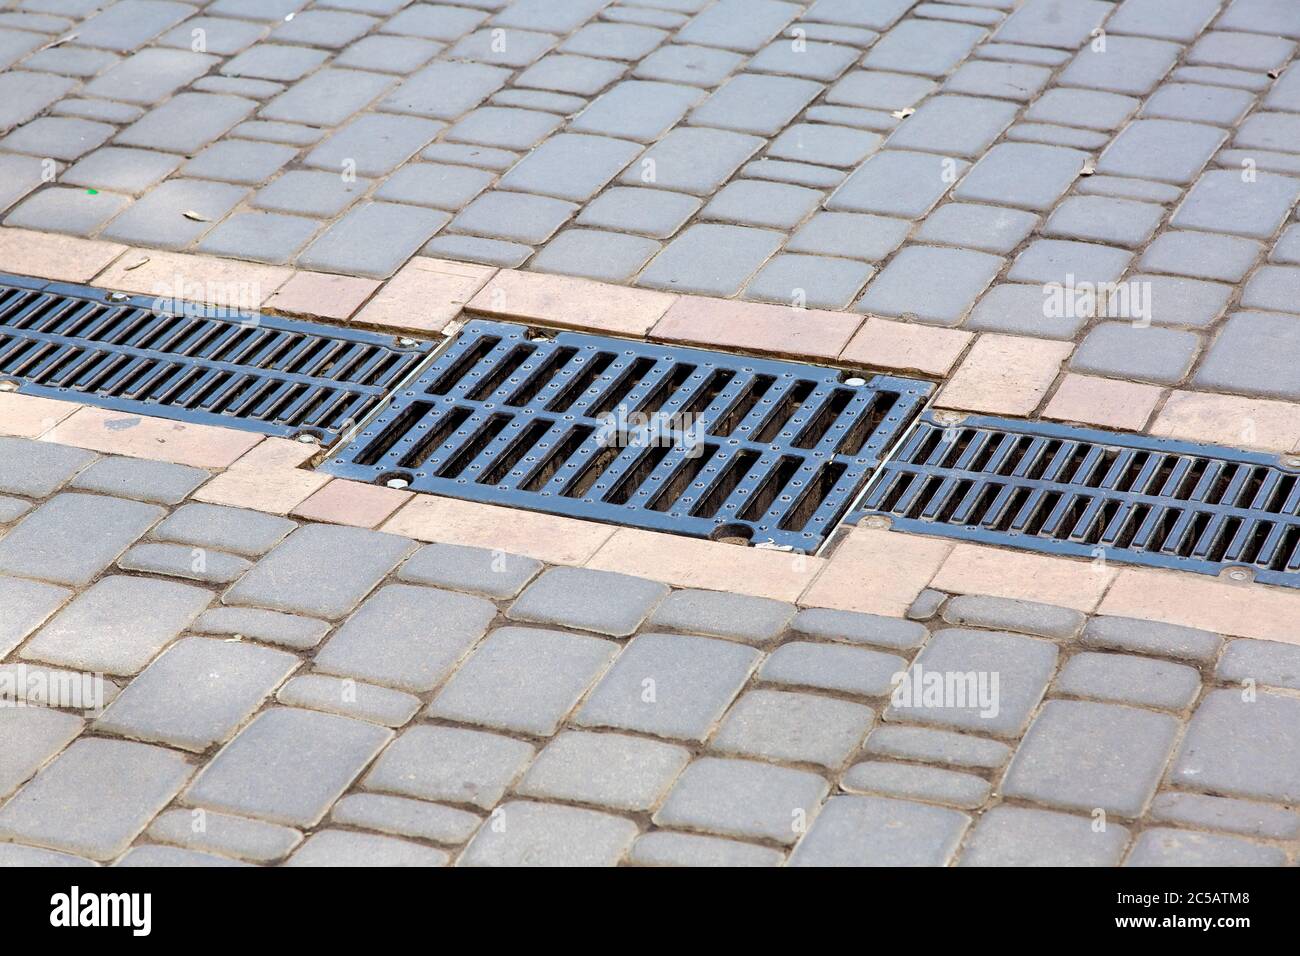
[[663, 848], [743, 798], [1177, 301], [1165, 150], [956, 663], [669, 686], [1167, 847], [1201, 255], [1129, 680], [245, 532], [524, 679], [131, 23], [811, 60], [753, 103], [406, 637], [401, 55], [515, 216], [1020, 836], [1221, 202], [180, 561], [260, 236], [506, 48], [600, 601], [1195, 102], [851, 670], [565, 73], [1022, 174], [738, 25], [73, 537], [220, 35], [28, 605], [1056, 260], [692, 160], [303, 573], [444, 90], [933, 784], [607, 256], [288, 766], [197, 693], [570, 166], [1256, 353], [793, 728], [539, 834], [648, 212], [954, 125], [880, 90], [1270, 663], [896, 182], [753, 203], [906, 285], [711, 259], [327, 97], [450, 764], [165, 216], [373, 144], [1244, 51], [809, 282], [1120, 222], [495, 574], [308, 193], [379, 705], [851, 235], [824, 145], [1009, 81], [434, 184], [349, 848], [95, 798], [19, 175], [37, 469], [626, 773], [1091, 109], [373, 239], [618, 41], [1083, 755], [158, 481], [436, 22], [57, 137], [327, 28], [102, 629], [1276, 288], [1132, 65], [506, 128], [186, 123], [989, 228], [683, 63], [877, 831], [928, 47], [1146, 354], [78, 212], [413, 818], [30, 736], [1243, 748], [637, 110]]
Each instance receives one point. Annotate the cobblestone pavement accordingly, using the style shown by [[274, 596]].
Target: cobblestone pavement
[[437, 704], [940, 162]]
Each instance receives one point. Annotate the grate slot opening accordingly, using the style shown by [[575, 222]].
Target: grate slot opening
[[555, 459], [682, 478], [745, 403], [457, 371], [785, 409], [736, 470], [593, 368], [770, 488], [523, 443]]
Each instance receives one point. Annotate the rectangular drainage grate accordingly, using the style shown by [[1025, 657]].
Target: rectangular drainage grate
[[695, 442], [193, 364], [1076, 491]]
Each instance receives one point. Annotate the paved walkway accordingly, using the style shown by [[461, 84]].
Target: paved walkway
[[424, 705]]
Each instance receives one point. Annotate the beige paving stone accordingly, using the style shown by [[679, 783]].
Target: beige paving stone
[[1229, 420], [906, 346], [29, 416], [753, 327], [50, 256], [1004, 375], [352, 502], [139, 436], [877, 572], [1066, 582], [228, 282], [552, 538], [571, 302], [694, 563], [273, 453], [1103, 401], [425, 294], [1237, 609], [277, 491], [320, 294]]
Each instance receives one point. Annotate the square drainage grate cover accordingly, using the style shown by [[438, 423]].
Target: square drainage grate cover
[[695, 442], [194, 363], [1057, 489]]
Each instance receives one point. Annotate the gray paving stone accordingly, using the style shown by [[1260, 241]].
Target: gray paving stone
[[1165, 847], [541, 100], [37, 469], [714, 613], [183, 561], [95, 797], [1285, 93], [988, 228], [1221, 202], [1270, 663], [1166, 150], [434, 184], [1200, 254], [932, 784], [406, 637], [450, 764], [265, 10], [852, 235], [434, 22], [1063, 137], [1091, 109], [445, 90], [514, 216], [626, 773], [1265, 16], [637, 110], [954, 125], [966, 660], [1131, 65], [1023, 310], [927, 47], [373, 239], [24, 95], [902, 288], [794, 728], [150, 76], [1084, 755], [154, 856], [373, 144], [812, 60], [1150, 18], [695, 161], [235, 86], [752, 203], [207, 831], [19, 175], [236, 161], [333, 29], [857, 628], [1004, 614], [607, 256], [1129, 680], [1222, 813], [11, 509], [16, 855], [1055, 260], [880, 90], [1151, 637], [618, 41], [222, 36], [570, 166], [236, 530], [1179, 301], [744, 799], [121, 170], [509, 48], [927, 605], [669, 686], [1243, 51], [1255, 353], [197, 693], [1273, 287], [1022, 174], [809, 282], [31, 736], [1119, 222], [1287, 247], [316, 757], [382, 54], [876, 121], [649, 212], [128, 24], [662, 848], [156, 481], [328, 97], [72, 211], [711, 259], [738, 25], [683, 63], [877, 831], [1124, 188], [1195, 102], [346, 697], [345, 848], [1008, 81], [1020, 836], [598, 601], [57, 137], [516, 129], [174, 214], [824, 145], [260, 236], [564, 73], [937, 746], [1218, 76], [538, 834], [71, 538], [402, 817], [755, 103], [899, 183], [310, 193], [494, 574], [494, 252], [878, 16], [186, 123], [1043, 22], [1242, 747], [71, 61]]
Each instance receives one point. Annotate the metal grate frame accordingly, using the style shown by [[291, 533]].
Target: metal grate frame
[[778, 451], [1058, 489], [263, 374]]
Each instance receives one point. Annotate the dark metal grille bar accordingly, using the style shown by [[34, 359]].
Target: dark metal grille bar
[[1063, 490], [194, 364], [765, 450]]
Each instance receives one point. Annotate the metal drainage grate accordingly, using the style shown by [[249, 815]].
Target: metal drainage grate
[[256, 373], [682, 440], [1076, 491]]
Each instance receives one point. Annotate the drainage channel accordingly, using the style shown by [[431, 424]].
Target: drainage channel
[[1058, 489], [193, 363], [689, 441]]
